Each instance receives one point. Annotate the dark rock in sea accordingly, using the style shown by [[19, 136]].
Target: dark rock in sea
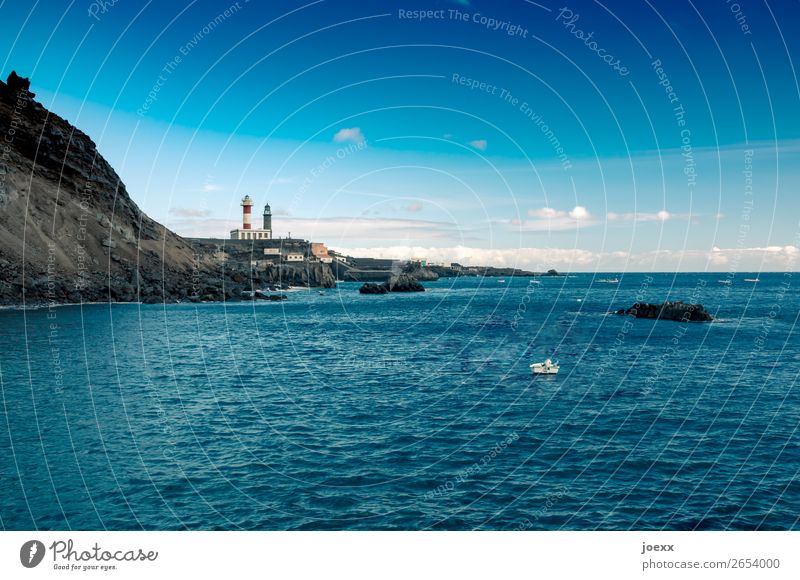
[[370, 288], [399, 283], [669, 311], [404, 283], [273, 297]]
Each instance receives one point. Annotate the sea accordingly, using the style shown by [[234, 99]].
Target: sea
[[334, 410]]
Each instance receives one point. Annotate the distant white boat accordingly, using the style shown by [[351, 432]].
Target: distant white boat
[[609, 280], [724, 281], [548, 367], [752, 280], [537, 282], [501, 280]]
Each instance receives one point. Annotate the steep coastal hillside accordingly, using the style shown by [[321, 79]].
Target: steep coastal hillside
[[69, 231]]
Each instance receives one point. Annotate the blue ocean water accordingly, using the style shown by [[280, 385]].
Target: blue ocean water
[[335, 410]]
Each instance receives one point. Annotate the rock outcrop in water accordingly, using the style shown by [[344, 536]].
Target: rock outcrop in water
[[371, 288], [69, 231], [399, 283], [669, 311]]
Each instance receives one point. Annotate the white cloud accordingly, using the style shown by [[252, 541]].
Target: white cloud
[[480, 144], [579, 213], [415, 207], [546, 213], [335, 229], [770, 258], [659, 216], [282, 180], [189, 212], [548, 219], [352, 135], [210, 187], [525, 258]]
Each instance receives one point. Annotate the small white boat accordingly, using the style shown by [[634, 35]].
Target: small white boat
[[501, 280], [547, 367], [752, 280], [724, 281], [609, 280]]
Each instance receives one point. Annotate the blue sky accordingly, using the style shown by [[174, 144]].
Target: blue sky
[[578, 135]]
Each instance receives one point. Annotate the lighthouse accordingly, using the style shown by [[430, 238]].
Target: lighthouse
[[267, 218], [248, 232], [247, 211]]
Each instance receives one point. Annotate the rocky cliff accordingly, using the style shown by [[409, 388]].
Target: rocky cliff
[[69, 231]]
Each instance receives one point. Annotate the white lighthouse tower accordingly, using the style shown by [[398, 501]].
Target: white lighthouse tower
[[248, 232]]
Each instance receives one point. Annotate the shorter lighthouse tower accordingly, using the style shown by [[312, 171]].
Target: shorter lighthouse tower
[[267, 218], [248, 232]]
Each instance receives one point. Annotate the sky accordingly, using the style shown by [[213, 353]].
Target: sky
[[577, 135]]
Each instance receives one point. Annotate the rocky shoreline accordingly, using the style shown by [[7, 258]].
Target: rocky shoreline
[[70, 233]]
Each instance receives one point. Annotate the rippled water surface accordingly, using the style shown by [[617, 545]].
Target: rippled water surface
[[342, 411]]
